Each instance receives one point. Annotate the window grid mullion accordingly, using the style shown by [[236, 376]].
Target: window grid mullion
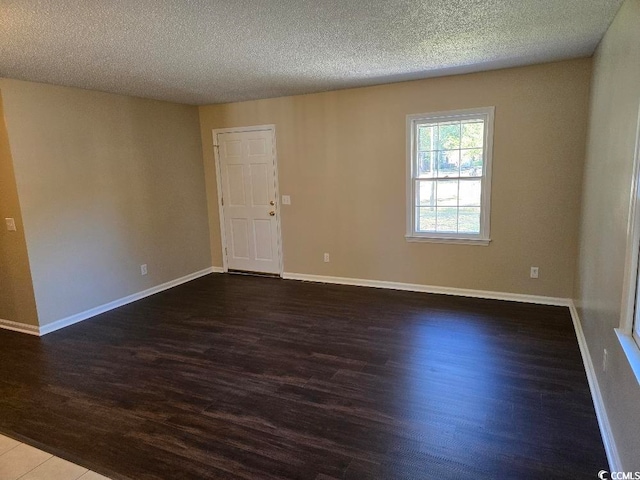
[[459, 175], [458, 207], [436, 169], [435, 202], [415, 167]]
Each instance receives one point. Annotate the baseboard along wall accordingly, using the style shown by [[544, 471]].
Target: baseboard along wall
[[603, 421], [19, 327], [615, 465], [416, 287], [413, 287], [79, 317], [601, 413]]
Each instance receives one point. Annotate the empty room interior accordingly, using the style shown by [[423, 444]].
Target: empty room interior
[[319, 240]]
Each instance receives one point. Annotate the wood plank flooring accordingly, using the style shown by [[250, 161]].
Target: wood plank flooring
[[231, 377]]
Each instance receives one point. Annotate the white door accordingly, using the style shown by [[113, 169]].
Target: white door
[[246, 164]]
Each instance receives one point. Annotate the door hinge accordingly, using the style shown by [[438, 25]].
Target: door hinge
[[222, 201]]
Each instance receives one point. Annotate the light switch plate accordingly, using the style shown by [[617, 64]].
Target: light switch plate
[[11, 224], [286, 200]]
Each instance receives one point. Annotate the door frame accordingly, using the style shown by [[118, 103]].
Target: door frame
[[223, 236]]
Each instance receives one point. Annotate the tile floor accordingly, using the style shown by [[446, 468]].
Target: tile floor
[[21, 461]]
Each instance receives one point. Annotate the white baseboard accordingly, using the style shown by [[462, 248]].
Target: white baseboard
[[414, 287], [19, 327], [603, 422], [79, 317], [615, 465], [613, 457]]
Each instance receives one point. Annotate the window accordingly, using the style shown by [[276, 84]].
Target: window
[[635, 330], [449, 176], [629, 332]]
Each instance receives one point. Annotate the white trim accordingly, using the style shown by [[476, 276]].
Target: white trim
[[18, 327], [482, 238], [615, 465], [255, 128], [79, 317], [633, 244], [629, 314], [630, 349], [445, 115], [455, 241], [601, 414], [278, 200], [415, 287], [223, 237]]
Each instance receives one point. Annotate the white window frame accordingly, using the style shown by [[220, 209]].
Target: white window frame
[[629, 331], [483, 238]]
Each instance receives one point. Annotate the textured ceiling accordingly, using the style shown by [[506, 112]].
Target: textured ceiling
[[214, 51]]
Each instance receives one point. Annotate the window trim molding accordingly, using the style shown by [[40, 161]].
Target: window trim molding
[[625, 333], [452, 240], [483, 238]]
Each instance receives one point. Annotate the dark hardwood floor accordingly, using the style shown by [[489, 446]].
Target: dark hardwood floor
[[243, 377]]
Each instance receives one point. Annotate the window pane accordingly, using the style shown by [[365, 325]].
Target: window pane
[[471, 163], [470, 193], [469, 220], [449, 163], [447, 193], [425, 137], [448, 136], [426, 221], [426, 164], [447, 219], [473, 135], [426, 193]]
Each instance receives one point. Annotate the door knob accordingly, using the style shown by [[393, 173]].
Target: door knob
[[272, 213], [272, 203]]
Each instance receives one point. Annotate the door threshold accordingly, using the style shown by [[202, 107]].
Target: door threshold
[[254, 274]]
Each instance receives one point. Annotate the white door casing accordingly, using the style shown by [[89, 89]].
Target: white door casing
[[248, 199]]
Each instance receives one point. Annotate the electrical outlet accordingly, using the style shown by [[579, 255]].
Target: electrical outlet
[[534, 272], [605, 360], [11, 224], [286, 200], [326, 258], [143, 269]]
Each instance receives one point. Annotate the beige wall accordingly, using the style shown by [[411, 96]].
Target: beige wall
[[608, 172], [341, 157], [106, 183], [17, 302]]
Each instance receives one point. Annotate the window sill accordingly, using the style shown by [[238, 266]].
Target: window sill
[[454, 241], [631, 350]]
